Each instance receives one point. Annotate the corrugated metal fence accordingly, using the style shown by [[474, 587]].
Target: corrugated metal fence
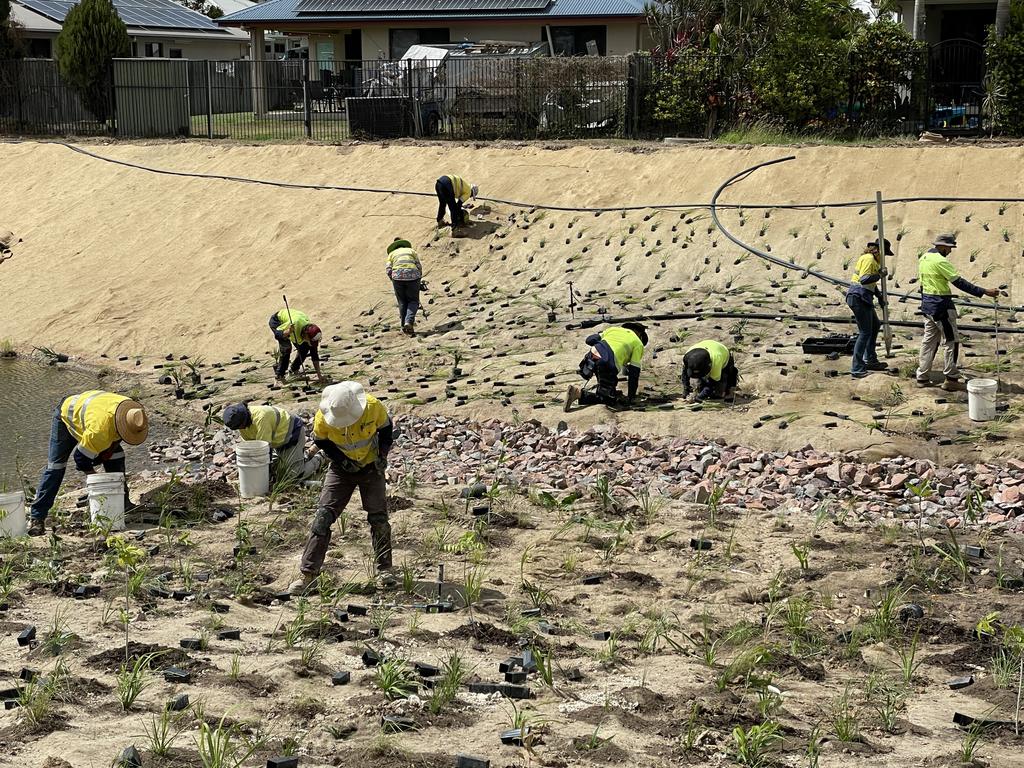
[[460, 98]]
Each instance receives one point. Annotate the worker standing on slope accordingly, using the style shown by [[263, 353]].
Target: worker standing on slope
[[619, 349], [405, 272], [453, 192], [293, 327], [860, 297], [90, 426], [354, 430], [936, 273], [711, 363], [285, 432]]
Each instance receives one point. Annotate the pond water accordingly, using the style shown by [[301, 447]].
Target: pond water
[[29, 392]]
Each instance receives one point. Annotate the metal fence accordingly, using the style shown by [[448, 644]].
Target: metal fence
[[478, 97]]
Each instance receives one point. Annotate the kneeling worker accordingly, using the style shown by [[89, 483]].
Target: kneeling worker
[[452, 192], [354, 430], [285, 433], [91, 426], [294, 327], [711, 363], [619, 349]]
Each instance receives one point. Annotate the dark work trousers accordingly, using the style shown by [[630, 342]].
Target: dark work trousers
[[334, 497], [284, 347], [868, 325], [408, 294], [446, 198], [62, 444], [730, 378], [607, 387]]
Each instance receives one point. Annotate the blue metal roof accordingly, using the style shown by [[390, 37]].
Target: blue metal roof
[[286, 11]]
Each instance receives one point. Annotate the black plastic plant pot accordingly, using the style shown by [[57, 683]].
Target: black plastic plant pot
[[440, 608], [910, 612], [515, 677], [283, 762], [395, 724], [468, 761], [180, 594], [27, 636], [341, 678], [603, 635], [341, 616], [229, 634], [220, 607], [371, 658], [574, 675], [701, 545], [485, 688], [974, 551], [530, 612], [191, 643], [27, 675], [357, 610], [476, 491], [178, 704], [130, 758], [426, 670], [510, 691], [175, 675], [282, 597], [510, 664], [480, 511], [514, 737], [960, 682], [11, 703], [595, 578]]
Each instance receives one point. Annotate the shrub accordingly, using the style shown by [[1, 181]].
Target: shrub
[[1006, 63], [887, 71], [93, 35], [683, 89]]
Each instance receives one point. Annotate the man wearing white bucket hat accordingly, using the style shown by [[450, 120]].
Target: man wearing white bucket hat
[[354, 431], [90, 426]]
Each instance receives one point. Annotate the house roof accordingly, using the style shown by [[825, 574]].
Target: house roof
[[141, 15], [30, 21], [355, 11]]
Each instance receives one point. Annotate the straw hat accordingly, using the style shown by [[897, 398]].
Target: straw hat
[[343, 404], [6, 238], [131, 422]]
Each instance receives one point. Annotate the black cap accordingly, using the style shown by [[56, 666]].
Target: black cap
[[888, 246]]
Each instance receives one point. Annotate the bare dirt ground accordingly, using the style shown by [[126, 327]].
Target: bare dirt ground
[[790, 625]]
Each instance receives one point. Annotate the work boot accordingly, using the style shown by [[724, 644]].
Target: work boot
[[878, 365], [730, 395], [572, 394], [380, 536], [38, 527], [412, 329], [922, 383], [954, 385], [301, 584]]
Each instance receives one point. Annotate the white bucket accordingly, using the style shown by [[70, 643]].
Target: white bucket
[[253, 459], [106, 499], [12, 515], [981, 399]]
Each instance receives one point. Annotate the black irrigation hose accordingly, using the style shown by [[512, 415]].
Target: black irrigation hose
[[719, 315], [793, 265]]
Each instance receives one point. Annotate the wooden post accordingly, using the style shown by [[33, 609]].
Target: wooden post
[[881, 263]]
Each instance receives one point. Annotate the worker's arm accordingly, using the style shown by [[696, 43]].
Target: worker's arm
[[975, 290], [389, 265], [332, 451], [633, 379], [314, 356]]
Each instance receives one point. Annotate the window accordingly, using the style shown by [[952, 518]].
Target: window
[[403, 39], [175, 53], [40, 49], [572, 41], [154, 50]]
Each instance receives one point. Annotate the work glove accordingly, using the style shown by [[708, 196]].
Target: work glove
[[83, 462]]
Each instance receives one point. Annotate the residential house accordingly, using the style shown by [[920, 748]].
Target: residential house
[[157, 28], [353, 30]]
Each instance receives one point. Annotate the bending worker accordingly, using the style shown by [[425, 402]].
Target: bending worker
[[293, 327], [90, 426], [285, 432], [860, 297], [453, 192], [354, 430], [619, 349], [711, 363], [936, 273], [405, 272]]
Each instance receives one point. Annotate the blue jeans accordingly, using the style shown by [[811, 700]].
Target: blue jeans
[[408, 294], [62, 444], [864, 353]]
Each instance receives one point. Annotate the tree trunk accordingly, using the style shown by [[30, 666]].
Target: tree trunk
[[1002, 17]]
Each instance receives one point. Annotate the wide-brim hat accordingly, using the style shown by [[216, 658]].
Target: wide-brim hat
[[6, 238], [947, 240], [639, 329], [399, 243], [343, 404], [888, 246], [131, 422]]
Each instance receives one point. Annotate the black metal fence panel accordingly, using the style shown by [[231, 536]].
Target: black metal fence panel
[[35, 99]]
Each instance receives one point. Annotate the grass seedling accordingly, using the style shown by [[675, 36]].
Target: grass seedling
[[843, 718], [969, 743], [235, 671], [447, 688], [752, 747], [395, 679], [160, 734], [472, 588], [909, 662], [801, 552], [311, 654], [35, 700], [650, 505], [133, 679], [58, 636], [220, 746]]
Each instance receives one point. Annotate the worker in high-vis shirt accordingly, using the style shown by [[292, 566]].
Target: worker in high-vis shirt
[[89, 427], [617, 350], [355, 433], [452, 193], [285, 432], [936, 273], [406, 273], [860, 298], [711, 364], [292, 327]]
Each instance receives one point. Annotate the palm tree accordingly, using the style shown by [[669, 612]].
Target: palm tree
[[1002, 17]]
